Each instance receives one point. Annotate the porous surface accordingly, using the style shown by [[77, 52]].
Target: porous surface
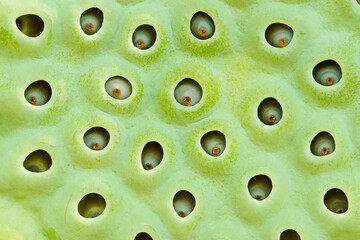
[[237, 68]]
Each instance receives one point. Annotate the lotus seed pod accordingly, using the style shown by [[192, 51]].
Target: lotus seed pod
[[144, 37], [323, 144], [38, 93], [336, 201], [188, 92], [289, 235], [31, 25], [279, 35], [91, 20], [270, 111], [152, 155], [213, 143], [143, 236], [184, 203], [202, 26], [118, 87], [38, 161], [92, 205], [260, 187], [327, 73], [96, 138]]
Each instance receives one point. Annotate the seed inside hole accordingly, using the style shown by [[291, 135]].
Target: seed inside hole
[[144, 37], [118, 87], [31, 25], [91, 205], [152, 155], [213, 143], [38, 93], [38, 161], [289, 235], [184, 203], [202, 26], [91, 20], [260, 187], [143, 236], [279, 35], [327, 73], [97, 138], [270, 111], [322, 144], [336, 201], [188, 92]]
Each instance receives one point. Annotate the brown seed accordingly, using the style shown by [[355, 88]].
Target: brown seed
[[325, 150], [282, 42], [90, 27], [202, 32], [215, 150], [95, 145], [32, 99], [182, 213], [258, 197], [340, 210], [140, 44], [148, 166], [330, 81], [116, 92], [271, 118], [187, 100]]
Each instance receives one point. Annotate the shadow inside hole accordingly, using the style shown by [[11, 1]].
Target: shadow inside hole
[[213, 143], [202, 26], [184, 203], [91, 205], [31, 25], [289, 235], [327, 73], [38, 93], [152, 155], [323, 144], [96, 138], [91, 21], [279, 35], [38, 161], [336, 201], [188, 92], [260, 187], [118, 87], [270, 111], [143, 236], [144, 37]]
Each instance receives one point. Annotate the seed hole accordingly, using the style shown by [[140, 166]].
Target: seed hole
[[91, 20], [327, 73], [143, 236], [38, 161], [118, 87], [202, 26], [97, 138], [336, 201], [184, 203], [260, 187], [213, 143], [322, 144], [38, 93], [188, 92], [289, 235], [270, 111], [279, 35], [91, 205], [31, 25], [152, 155], [144, 37]]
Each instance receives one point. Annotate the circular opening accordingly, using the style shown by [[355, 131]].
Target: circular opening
[[289, 235], [213, 143], [260, 187], [97, 138], [336, 201], [118, 87], [184, 203], [202, 26], [38, 93], [270, 111], [31, 25], [144, 37], [279, 35], [38, 161], [92, 205], [152, 155], [188, 92], [143, 236], [327, 73], [323, 144], [91, 20]]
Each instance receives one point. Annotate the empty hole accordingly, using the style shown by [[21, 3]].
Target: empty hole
[[188, 92], [97, 138], [279, 35], [91, 20], [184, 203], [118, 87], [327, 73], [91, 205], [322, 144], [260, 187], [143, 236], [152, 155], [202, 26], [38, 161], [289, 235], [213, 143], [144, 36], [336, 201], [31, 25], [38, 93], [270, 111]]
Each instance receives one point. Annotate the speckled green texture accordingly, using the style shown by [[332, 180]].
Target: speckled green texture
[[236, 68]]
